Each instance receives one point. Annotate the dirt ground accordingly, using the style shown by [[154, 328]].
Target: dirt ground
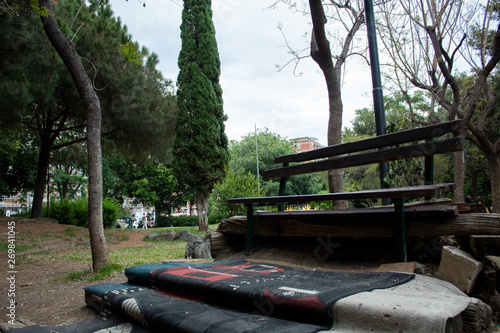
[[43, 300], [39, 298]]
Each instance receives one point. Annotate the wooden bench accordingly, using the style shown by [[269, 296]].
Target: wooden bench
[[336, 157]]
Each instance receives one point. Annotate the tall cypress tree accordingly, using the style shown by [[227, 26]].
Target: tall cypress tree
[[200, 149]]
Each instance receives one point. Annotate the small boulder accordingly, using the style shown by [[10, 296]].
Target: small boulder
[[183, 234], [197, 248], [168, 235], [152, 236], [207, 235]]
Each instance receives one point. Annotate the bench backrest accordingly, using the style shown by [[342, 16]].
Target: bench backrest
[[330, 157]]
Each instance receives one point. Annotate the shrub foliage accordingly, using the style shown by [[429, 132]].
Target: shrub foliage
[[76, 212]]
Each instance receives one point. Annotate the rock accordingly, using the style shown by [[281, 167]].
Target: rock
[[207, 235], [197, 248], [485, 289], [459, 268], [194, 237], [183, 234], [494, 262], [168, 235], [420, 268], [426, 249], [152, 236], [485, 245]]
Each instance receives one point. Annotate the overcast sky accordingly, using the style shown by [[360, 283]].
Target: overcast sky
[[250, 46]]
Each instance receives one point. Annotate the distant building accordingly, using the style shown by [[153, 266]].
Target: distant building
[[306, 143], [16, 204]]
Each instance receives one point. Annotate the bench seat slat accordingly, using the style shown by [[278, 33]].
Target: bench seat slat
[[386, 140], [370, 213], [399, 153], [401, 192]]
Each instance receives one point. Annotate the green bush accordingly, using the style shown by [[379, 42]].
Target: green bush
[[215, 218], [64, 211], [187, 220], [81, 211], [76, 212], [111, 211], [177, 221], [26, 214]]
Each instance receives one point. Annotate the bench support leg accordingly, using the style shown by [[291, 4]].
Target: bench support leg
[[249, 228], [282, 190], [401, 228]]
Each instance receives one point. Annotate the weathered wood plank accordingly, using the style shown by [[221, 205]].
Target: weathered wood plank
[[238, 225], [393, 154], [217, 243], [385, 212], [400, 192], [423, 133], [466, 224]]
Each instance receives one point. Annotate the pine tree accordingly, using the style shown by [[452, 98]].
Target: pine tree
[[200, 148]]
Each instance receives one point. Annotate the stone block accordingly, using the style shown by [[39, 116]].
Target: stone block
[[459, 268]]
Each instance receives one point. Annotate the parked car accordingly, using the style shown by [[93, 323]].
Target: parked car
[[121, 223]]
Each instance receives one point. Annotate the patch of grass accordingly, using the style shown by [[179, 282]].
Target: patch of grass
[[4, 247], [30, 258], [75, 255], [28, 234], [70, 232], [161, 251], [90, 276], [119, 234], [132, 256], [121, 258]]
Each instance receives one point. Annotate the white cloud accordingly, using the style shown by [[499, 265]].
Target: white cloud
[[250, 45]]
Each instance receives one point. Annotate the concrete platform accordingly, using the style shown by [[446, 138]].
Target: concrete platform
[[424, 304]]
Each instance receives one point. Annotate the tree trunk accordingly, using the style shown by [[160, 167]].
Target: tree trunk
[[321, 53], [158, 211], [335, 179], [201, 207], [41, 177], [494, 165], [68, 54]]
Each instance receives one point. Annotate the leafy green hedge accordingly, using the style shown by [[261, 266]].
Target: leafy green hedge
[[177, 221], [217, 217], [75, 212], [185, 220]]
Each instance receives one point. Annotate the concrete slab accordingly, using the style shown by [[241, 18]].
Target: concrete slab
[[459, 268], [424, 304]]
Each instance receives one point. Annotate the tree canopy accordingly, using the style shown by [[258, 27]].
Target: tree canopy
[[427, 42], [137, 103], [243, 160], [149, 182]]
